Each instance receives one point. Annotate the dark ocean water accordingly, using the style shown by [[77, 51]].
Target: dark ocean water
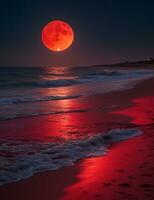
[[25, 90], [35, 91]]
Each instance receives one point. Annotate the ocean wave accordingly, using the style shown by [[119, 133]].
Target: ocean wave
[[43, 83], [20, 160], [78, 79], [106, 73], [35, 114], [19, 100]]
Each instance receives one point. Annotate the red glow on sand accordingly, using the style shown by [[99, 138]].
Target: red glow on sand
[[141, 111], [57, 35], [96, 175]]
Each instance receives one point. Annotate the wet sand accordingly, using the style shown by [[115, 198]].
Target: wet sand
[[126, 172]]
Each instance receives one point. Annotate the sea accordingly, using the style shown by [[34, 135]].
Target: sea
[[31, 92]]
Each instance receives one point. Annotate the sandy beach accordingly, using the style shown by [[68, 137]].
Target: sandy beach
[[126, 172]]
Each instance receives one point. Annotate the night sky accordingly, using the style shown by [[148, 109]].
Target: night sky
[[106, 31]]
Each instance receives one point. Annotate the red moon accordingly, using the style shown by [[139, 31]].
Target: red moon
[[57, 35]]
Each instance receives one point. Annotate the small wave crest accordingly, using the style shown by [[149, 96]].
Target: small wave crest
[[22, 99], [20, 160], [35, 114], [43, 83]]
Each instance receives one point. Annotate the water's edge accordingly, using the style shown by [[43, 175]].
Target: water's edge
[[27, 159]]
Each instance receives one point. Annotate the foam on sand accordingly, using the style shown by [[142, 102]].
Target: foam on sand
[[20, 160]]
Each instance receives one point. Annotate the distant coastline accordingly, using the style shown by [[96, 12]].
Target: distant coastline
[[149, 62], [144, 63]]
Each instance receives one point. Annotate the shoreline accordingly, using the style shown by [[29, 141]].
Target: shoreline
[[70, 177]]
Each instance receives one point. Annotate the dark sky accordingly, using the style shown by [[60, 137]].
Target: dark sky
[[106, 31]]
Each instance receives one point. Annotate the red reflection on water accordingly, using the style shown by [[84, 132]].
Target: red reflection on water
[[78, 117], [141, 112], [47, 126]]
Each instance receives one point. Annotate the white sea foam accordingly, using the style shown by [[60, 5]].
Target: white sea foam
[[23, 159]]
